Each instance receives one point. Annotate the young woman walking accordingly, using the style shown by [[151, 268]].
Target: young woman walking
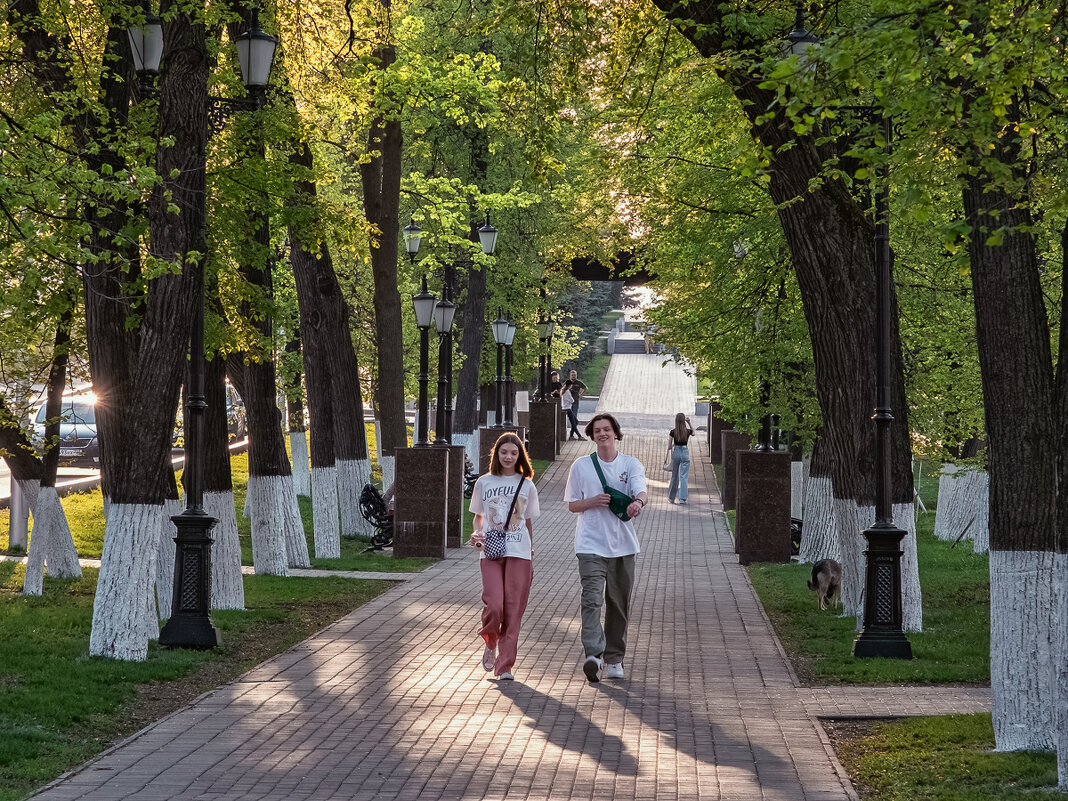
[[507, 487], [678, 454]]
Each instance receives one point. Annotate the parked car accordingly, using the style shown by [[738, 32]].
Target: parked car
[[236, 421], [78, 443]]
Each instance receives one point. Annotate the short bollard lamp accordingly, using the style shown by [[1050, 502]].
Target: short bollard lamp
[[424, 304], [500, 336], [444, 312]]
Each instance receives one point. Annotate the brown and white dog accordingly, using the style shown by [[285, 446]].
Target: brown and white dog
[[827, 582]]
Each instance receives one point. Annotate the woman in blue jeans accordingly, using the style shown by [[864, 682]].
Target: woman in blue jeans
[[678, 455]]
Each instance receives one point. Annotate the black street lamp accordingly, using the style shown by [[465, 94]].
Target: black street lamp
[[189, 625], [764, 437], [444, 312], [549, 348], [500, 336], [883, 634], [424, 304], [543, 337], [509, 398]]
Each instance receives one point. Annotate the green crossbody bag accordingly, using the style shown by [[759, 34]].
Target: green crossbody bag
[[619, 500]]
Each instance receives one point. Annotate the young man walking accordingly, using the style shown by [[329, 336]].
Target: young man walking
[[574, 388], [605, 545]]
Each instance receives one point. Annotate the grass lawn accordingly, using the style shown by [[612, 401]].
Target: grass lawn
[[948, 758]]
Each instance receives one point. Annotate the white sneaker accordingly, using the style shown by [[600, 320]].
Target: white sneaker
[[489, 656], [613, 671], [506, 677], [593, 667]]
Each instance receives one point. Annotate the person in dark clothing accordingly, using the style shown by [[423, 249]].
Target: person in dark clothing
[[575, 388]]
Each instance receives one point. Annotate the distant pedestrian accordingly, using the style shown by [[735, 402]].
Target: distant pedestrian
[[678, 457], [506, 580], [605, 543], [574, 388]]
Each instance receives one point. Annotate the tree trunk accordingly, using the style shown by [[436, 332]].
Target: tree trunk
[[298, 437], [140, 416], [380, 175], [1012, 332], [836, 275], [227, 585]]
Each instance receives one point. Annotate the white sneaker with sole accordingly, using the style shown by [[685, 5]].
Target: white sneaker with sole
[[613, 671], [592, 667], [489, 656], [506, 677]]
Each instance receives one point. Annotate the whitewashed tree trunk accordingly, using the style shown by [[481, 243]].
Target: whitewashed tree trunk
[[352, 474], [470, 443], [1023, 629], [911, 593], [298, 445], [40, 535], [266, 505], [126, 572], [798, 478], [388, 465], [325, 522], [1060, 578], [62, 557], [51, 543], [227, 586], [819, 534], [947, 513], [165, 558], [981, 527], [296, 540], [848, 520]]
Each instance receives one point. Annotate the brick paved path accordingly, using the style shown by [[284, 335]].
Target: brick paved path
[[391, 702]]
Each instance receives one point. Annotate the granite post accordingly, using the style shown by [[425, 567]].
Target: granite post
[[762, 524], [731, 443], [421, 502], [543, 437], [716, 426], [454, 505]]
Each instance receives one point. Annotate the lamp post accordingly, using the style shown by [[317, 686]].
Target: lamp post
[[509, 399], [543, 338], [444, 312], [424, 304], [189, 625], [883, 634], [500, 336]]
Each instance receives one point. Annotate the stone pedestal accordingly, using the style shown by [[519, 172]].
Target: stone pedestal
[[487, 437], [716, 427], [543, 437], [731, 443], [421, 502], [762, 530], [454, 504]]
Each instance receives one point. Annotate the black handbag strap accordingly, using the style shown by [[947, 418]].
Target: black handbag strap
[[515, 497]]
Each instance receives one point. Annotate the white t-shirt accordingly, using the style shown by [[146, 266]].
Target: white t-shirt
[[492, 497], [566, 399], [598, 531]]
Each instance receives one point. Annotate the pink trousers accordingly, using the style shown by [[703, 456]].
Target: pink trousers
[[505, 589]]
